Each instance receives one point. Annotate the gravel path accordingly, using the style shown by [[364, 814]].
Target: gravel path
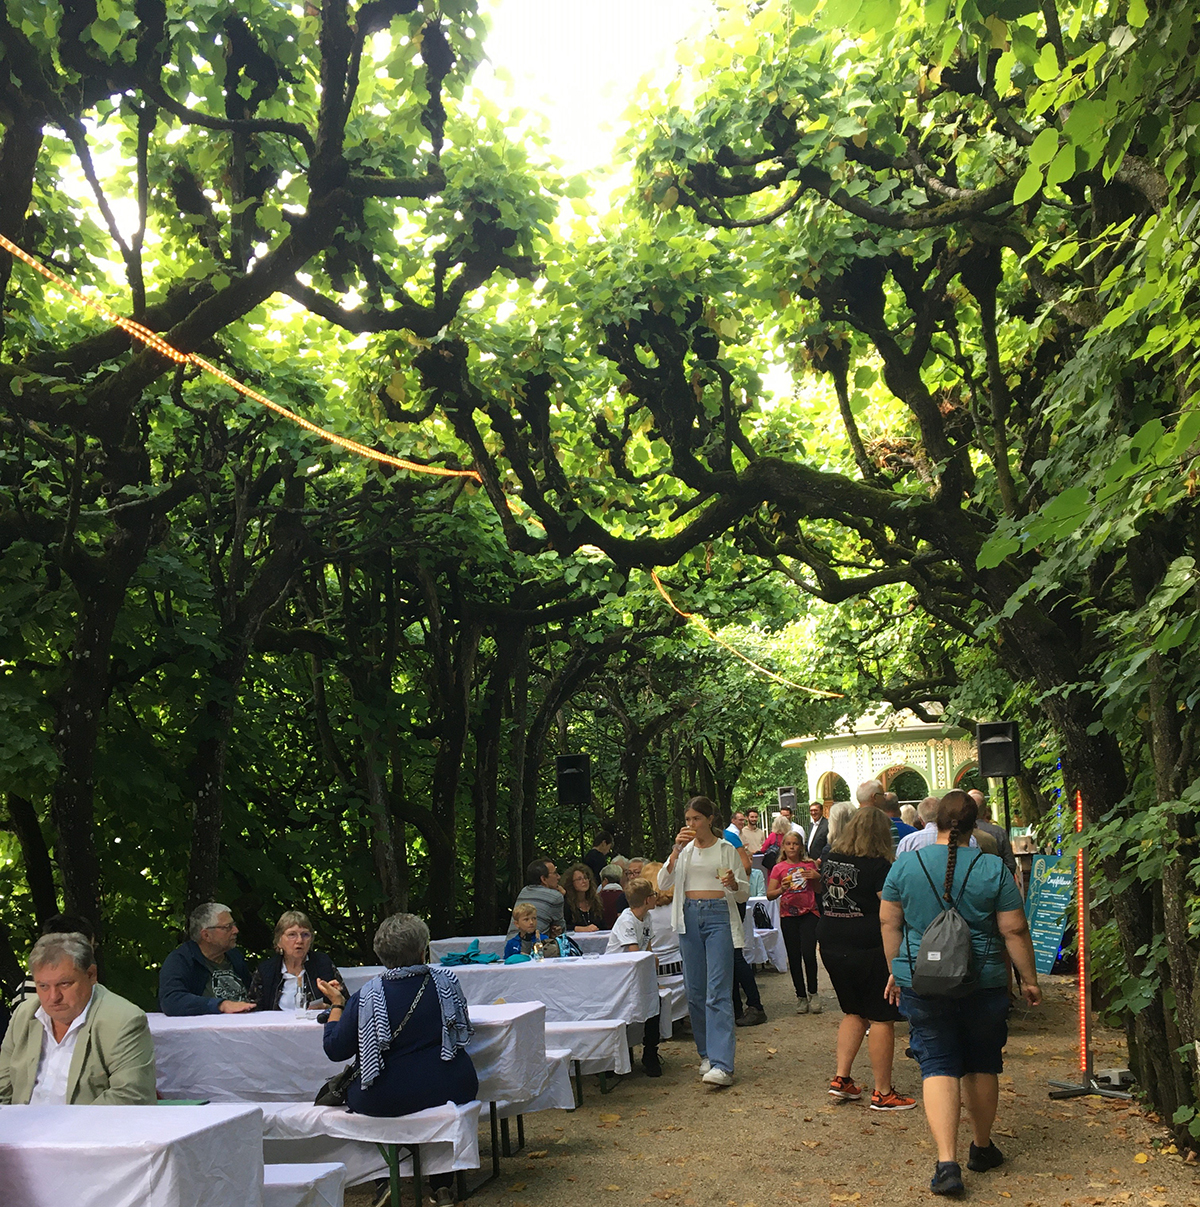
[[776, 1137]]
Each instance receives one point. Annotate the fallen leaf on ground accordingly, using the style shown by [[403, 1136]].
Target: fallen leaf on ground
[[540, 1152], [609, 1118], [612, 1188], [517, 1186], [1140, 1158]]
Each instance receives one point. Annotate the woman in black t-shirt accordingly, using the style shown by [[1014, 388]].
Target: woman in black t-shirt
[[851, 943]]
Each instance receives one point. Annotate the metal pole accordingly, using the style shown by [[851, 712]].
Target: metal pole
[[1007, 818]]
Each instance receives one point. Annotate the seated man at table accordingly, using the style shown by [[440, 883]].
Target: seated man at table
[[633, 931], [76, 1043], [56, 924], [542, 892], [207, 974]]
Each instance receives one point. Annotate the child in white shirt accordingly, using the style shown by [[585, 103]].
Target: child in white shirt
[[632, 931]]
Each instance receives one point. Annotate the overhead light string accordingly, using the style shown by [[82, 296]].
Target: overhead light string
[[155, 341], [698, 621]]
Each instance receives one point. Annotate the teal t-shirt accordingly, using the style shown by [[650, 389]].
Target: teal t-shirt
[[990, 888]]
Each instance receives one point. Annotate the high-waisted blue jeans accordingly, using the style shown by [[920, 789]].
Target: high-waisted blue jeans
[[707, 948]]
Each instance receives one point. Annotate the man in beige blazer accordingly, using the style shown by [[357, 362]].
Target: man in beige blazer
[[77, 1043]]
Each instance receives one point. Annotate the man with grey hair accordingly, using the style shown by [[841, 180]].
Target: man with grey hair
[[927, 812], [869, 792], [207, 974], [77, 1043]]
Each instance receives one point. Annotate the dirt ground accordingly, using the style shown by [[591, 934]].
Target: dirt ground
[[776, 1137]]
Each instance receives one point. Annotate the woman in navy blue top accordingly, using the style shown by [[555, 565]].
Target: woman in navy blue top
[[426, 1064]]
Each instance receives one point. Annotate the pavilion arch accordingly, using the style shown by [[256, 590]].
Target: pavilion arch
[[832, 788], [856, 749], [906, 782]]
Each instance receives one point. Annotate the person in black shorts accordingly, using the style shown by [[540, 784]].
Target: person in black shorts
[[851, 944]]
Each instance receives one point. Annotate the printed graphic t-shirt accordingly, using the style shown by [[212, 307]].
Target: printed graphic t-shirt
[[850, 900]]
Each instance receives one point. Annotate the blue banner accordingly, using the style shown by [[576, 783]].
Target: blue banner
[[1047, 906]]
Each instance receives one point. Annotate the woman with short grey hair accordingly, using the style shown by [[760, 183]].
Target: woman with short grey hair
[[407, 1030], [402, 941]]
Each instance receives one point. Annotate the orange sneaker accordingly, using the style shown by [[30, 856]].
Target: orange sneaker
[[844, 1088], [891, 1101]]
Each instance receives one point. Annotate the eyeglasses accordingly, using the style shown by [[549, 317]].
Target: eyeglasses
[[302, 935], [223, 926]]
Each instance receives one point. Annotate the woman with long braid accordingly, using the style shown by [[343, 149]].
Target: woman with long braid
[[958, 1041]]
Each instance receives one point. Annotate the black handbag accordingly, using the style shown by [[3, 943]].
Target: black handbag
[[335, 1090]]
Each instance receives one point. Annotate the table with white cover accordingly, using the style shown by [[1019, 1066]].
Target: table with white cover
[[622, 985], [276, 1057], [131, 1156], [587, 940], [764, 946]]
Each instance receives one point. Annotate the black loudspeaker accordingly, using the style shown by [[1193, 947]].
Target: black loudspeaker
[[999, 747], [574, 775], [787, 796]]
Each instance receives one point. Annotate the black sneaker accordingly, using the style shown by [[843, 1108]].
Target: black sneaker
[[983, 1159], [651, 1065], [947, 1178]]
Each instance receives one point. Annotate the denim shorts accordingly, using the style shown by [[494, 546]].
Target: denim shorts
[[952, 1037]]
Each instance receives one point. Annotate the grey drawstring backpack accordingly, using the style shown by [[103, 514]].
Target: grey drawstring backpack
[[945, 963]]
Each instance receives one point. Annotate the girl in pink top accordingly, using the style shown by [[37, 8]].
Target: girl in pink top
[[795, 878]]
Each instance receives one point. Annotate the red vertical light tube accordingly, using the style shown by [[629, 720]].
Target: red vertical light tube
[[1081, 936]]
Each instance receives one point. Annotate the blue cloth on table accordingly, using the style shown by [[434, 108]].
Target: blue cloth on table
[[470, 955]]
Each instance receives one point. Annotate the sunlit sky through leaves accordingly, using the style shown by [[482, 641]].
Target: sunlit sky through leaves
[[578, 63]]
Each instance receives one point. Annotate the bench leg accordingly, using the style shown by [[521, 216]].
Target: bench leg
[[578, 1083], [495, 1141], [604, 1086], [520, 1132], [504, 1138], [417, 1189], [460, 1180], [391, 1154]]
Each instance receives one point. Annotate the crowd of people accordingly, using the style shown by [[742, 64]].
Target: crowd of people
[[860, 887]]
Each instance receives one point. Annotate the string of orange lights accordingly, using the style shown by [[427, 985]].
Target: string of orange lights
[[692, 618], [155, 341]]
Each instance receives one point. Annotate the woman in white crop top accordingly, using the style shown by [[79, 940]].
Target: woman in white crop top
[[709, 880]]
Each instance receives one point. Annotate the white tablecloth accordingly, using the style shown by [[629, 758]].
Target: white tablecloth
[[274, 1057], [622, 985], [509, 1050], [304, 1185], [131, 1156], [764, 946], [588, 940], [267, 1057]]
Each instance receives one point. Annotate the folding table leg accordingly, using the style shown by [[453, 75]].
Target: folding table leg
[[504, 1138], [520, 1132], [578, 1083], [604, 1086], [416, 1160]]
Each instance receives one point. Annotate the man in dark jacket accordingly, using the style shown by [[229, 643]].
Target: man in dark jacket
[[207, 974]]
